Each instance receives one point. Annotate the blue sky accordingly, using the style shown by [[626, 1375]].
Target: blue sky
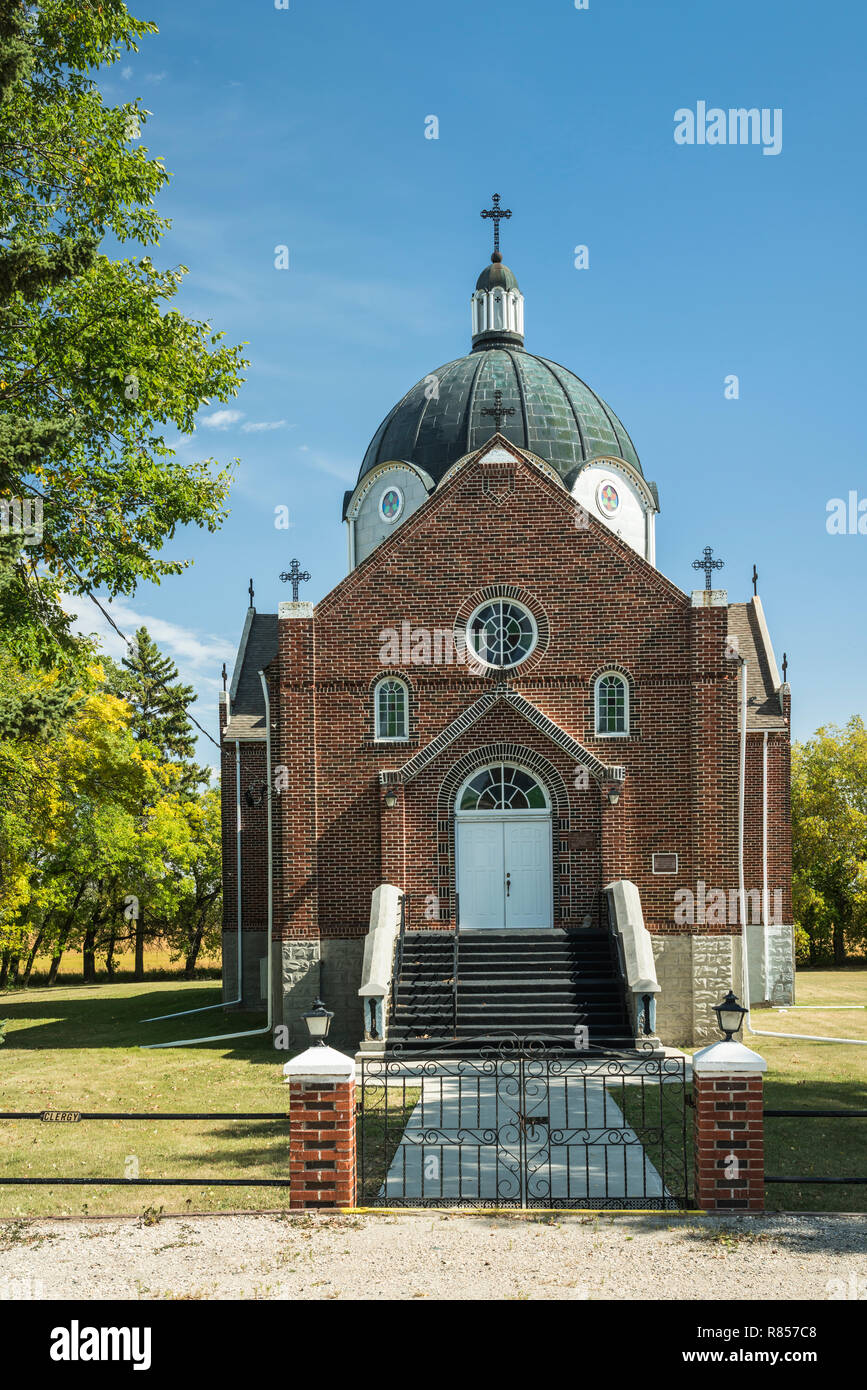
[[306, 127]]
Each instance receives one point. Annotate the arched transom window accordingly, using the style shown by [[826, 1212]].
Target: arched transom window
[[612, 704], [391, 703], [501, 633], [502, 788]]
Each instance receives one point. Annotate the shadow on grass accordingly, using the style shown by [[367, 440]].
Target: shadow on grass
[[816, 1147], [59, 1022]]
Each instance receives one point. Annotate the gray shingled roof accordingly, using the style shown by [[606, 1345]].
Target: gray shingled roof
[[247, 719], [764, 710]]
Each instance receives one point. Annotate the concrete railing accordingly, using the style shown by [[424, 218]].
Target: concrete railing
[[636, 953], [378, 964]]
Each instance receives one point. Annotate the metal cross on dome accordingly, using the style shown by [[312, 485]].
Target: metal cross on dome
[[495, 213], [295, 575], [708, 565], [498, 410]]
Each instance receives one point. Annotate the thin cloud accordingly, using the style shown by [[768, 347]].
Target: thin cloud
[[256, 426], [198, 656], [221, 419]]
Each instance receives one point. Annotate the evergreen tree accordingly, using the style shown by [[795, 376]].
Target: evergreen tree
[[148, 680]]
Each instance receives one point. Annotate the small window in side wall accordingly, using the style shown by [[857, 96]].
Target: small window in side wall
[[391, 710], [612, 704]]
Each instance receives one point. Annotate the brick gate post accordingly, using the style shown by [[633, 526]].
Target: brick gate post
[[321, 1129], [729, 1137]]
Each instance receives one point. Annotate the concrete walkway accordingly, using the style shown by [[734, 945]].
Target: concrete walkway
[[474, 1137]]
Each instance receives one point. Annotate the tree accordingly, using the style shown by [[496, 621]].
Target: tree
[[149, 682], [829, 828], [93, 364]]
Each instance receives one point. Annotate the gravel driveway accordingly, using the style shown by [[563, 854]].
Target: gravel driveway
[[438, 1255]]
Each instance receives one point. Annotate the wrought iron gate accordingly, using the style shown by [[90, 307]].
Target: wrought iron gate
[[523, 1125]]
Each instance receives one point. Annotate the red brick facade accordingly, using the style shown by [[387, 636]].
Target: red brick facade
[[597, 605]]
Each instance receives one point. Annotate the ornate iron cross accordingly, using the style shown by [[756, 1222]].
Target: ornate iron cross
[[498, 410], [250, 592], [708, 565], [755, 580], [495, 213], [295, 575]]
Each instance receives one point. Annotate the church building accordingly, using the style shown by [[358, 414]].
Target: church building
[[507, 777]]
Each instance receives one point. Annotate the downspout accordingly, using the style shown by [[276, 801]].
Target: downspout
[[760, 1032], [249, 1032], [765, 901], [224, 1003]]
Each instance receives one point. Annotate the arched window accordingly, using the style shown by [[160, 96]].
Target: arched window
[[502, 788], [391, 709], [612, 704]]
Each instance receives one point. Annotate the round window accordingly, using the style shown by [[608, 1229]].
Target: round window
[[607, 498], [391, 504], [501, 633]]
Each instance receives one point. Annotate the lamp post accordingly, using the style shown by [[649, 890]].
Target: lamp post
[[730, 1015], [318, 1021]]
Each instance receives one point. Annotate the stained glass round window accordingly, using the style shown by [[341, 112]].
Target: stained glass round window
[[501, 633], [391, 503], [608, 498], [502, 788]]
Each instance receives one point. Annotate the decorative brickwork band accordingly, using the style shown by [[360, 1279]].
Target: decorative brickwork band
[[728, 1137], [322, 1151]]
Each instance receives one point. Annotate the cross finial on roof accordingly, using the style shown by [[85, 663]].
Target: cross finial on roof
[[250, 592], [785, 667], [495, 213], [708, 565], [498, 410], [225, 675], [755, 580], [295, 576]]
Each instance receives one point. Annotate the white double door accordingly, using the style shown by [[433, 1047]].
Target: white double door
[[504, 869]]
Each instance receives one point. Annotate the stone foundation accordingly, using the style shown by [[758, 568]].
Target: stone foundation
[[252, 957], [328, 969], [694, 973]]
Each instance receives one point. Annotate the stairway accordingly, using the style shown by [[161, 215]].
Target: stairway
[[533, 984]]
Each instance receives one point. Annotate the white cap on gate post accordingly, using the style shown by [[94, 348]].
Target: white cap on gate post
[[727, 1058], [320, 1064]]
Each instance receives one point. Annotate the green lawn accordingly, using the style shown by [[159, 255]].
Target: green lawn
[[77, 1048], [816, 1076]]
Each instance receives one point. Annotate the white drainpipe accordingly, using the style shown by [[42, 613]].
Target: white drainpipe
[[224, 1003], [759, 1032], [248, 1032]]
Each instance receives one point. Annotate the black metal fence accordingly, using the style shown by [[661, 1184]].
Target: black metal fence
[[810, 1179], [81, 1116], [521, 1124]]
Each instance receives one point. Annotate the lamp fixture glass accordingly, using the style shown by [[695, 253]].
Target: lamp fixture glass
[[318, 1020], [730, 1015]]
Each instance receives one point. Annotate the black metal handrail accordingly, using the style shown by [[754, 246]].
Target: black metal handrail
[[397, 961], [455, 964]]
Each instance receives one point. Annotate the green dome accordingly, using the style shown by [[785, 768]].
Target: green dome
[[497, 277], [555, 414]]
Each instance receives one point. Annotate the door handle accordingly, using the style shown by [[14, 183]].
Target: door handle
[[508, 883]]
